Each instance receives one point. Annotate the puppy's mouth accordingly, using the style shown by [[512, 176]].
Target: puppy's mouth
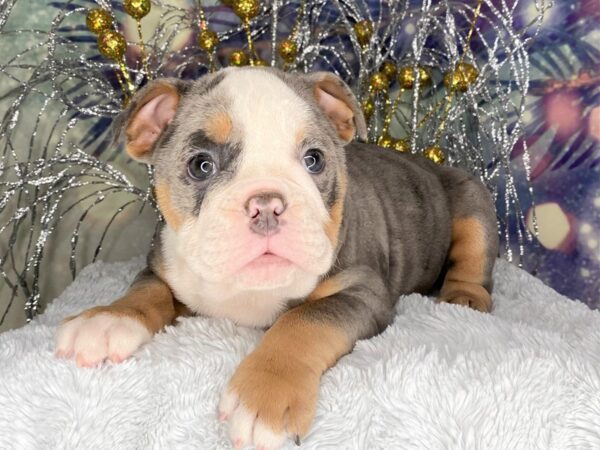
[[266, 271], [268, 259]]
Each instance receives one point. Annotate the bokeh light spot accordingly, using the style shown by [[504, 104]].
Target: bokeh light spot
[[563, 113], [594, 123], [553, 224]]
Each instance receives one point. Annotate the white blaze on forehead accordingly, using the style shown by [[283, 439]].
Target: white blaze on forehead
[[267, 113], [268, 117]]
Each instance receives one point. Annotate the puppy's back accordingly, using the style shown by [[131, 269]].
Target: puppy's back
[[396, 217]]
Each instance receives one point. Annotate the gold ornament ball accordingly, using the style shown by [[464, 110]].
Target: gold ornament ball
[[435, 154], [368, 107], [208, 40], [364, 31], [112, 44], [459, 79], [385, 141], [288, 50], [246, 9], [137, 8], [260, 63], [406, 77], [402, 145], [98, 20], [379, 82], [389, 69], [238, 58]]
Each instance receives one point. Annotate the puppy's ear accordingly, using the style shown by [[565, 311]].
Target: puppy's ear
[[148, 114], [338, 102]]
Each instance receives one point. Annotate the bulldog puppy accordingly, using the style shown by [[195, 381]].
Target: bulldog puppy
[[274, 218]]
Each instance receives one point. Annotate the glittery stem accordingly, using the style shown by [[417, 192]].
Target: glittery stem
[[430, 113], [251, 49], [294, 32], [143, 54], [299, 18], [123, 87], [450, 97], [203, 25], [275, 5], [391, 111], [126, 77], [381, 100], [211, 61], [442, 125]]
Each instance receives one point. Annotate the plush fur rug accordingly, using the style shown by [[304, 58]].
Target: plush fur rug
[[441, 377]]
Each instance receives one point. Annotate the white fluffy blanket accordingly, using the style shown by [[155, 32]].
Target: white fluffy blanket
[[441, 377]]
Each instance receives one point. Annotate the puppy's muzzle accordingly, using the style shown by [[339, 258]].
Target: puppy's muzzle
[[264, 211]]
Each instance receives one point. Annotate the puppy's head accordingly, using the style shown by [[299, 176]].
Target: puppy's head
[[250, 171]]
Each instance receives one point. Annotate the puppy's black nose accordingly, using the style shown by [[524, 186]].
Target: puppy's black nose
[[264, 210]]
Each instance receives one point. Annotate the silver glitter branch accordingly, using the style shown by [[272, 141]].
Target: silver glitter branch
[[63, 185], [45, 191]]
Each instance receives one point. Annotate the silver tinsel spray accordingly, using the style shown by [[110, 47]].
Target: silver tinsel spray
[[58, 96]]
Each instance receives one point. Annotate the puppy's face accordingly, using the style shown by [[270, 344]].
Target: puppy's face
[[250, 172]]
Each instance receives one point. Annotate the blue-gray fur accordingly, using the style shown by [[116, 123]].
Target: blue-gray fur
[[397, 226]]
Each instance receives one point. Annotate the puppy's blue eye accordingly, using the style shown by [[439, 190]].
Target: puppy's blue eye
[[201, 166], [314, 161]]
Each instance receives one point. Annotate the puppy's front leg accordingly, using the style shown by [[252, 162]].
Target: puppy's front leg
[[273, 394], [117, 330]]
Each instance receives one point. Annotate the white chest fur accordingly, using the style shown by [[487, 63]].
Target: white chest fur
[[253, 308]]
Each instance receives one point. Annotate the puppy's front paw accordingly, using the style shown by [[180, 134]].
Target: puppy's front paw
[[93, 336], [481, 302], [269, 400]]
